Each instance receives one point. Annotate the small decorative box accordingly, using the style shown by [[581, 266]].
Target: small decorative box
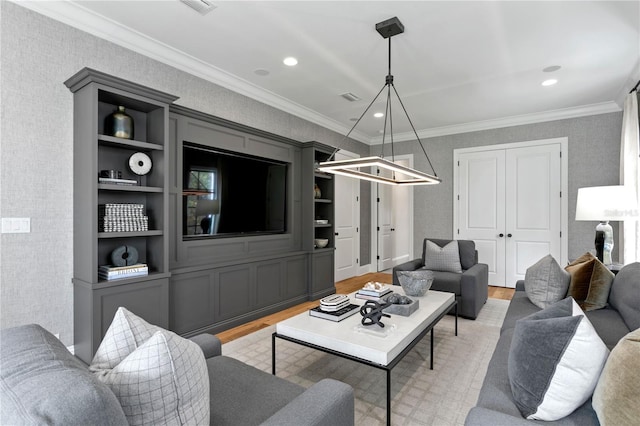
[[403, 310]]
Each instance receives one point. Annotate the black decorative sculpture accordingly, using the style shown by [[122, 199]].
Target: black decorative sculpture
[[372, 313]]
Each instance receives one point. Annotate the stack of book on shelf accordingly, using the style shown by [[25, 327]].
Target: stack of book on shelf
[[115, 181], [334, 308], [109, 272], [373, 291], [122, 217]]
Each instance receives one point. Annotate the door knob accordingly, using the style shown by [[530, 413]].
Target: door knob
[[501, 235], [509, 235], [336, 233]]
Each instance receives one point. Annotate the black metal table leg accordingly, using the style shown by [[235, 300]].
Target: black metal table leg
[[456, 319], [432, 348], [273, 354], [389, 397]]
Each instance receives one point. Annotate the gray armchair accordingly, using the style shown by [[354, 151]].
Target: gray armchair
[[470, 287]]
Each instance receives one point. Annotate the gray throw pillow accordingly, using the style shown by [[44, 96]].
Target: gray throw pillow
[[545, 282], [443, 259], [550, 349]]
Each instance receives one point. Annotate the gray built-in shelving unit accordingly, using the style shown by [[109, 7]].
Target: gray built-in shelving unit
[[193, 285], [321, 271], [97, 95]]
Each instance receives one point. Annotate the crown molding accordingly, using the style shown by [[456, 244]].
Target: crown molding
[[90, 22], [633, 78], [516, 120], [79, 17]]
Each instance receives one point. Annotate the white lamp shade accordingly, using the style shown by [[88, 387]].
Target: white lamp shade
[[604, 203]]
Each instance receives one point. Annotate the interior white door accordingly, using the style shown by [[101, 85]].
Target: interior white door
[[481, 211], [385, 226], [347, 215], [402, 221], [395, 222], [509, 203], [533, 193]]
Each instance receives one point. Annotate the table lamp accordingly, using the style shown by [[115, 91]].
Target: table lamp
[[606, 203]]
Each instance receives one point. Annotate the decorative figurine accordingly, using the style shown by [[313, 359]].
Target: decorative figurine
[[372, 313]]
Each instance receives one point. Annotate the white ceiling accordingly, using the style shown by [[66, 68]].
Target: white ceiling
[[459, 66]]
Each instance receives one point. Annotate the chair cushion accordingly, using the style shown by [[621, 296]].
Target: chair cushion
[[162, 380], [590, 282], [615, 398], [244, 395], [609, 325], [444, 259], [446, 281], [467, 253], [555, 360], [545, 282], [42, 383], [625, 295]]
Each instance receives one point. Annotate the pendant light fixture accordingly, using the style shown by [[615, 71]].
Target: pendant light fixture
[[399, 175]]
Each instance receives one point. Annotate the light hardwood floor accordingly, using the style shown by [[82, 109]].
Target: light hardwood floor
[[343, 287]]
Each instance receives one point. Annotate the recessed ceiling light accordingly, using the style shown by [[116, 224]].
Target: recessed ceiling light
[[551, 68], [290, 61], [378, 115], [549, 82], [261, 72]]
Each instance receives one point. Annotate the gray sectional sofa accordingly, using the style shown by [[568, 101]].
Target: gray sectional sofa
[[41, 382], [495, 404]]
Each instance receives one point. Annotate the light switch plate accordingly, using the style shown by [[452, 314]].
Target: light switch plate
[[16, 225]]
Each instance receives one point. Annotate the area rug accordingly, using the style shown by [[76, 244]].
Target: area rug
[[420, 396]]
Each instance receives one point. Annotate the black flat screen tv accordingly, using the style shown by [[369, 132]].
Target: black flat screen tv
[[227, 194]]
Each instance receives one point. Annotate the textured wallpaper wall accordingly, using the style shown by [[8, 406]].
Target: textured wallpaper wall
[[36, 176], [593, 157]]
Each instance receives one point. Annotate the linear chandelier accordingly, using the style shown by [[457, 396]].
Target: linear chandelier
[[400, 175]]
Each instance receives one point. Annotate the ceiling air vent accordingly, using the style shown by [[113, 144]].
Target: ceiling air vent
[[201, 6], [350, 97]]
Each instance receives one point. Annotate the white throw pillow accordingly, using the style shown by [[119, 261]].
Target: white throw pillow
[[162, 380], [443, 259], [555, 360], [126, 332]]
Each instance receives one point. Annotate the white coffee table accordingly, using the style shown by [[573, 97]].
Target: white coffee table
[[380, 348]]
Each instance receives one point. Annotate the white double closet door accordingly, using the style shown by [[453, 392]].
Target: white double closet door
[[509, 201]]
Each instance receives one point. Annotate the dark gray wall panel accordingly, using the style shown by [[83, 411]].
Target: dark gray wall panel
[[322, 267], [192, 301], [296, 277], [201, 133], [269, 283], [235, 291]]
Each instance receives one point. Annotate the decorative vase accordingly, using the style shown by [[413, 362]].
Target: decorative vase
[[119, 124], [316, 191]]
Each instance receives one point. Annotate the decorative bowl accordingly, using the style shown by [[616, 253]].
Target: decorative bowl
[[402, 310], [415, 283], [321, 242]]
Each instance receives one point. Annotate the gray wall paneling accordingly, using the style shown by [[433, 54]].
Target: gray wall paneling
[[220, 282]]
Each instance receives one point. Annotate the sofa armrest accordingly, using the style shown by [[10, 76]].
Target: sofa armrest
[[411, 265], [480, 416], [474, 290], [326, 403], [210, 344]]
